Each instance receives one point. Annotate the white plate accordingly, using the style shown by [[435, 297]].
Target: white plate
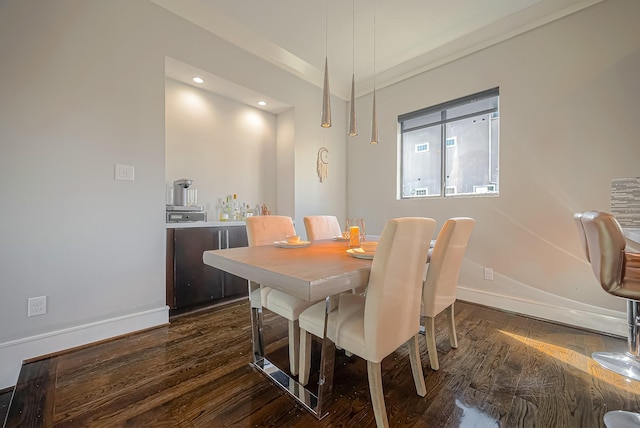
[[359, 253], [433, 242], [339, 238], [285, 244]]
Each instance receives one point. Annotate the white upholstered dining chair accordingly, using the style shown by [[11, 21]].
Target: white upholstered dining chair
[[374, 325], [320, 227], [439, 290], [265, 230]]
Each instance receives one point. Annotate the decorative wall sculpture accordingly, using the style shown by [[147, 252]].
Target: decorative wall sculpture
[[322, 164]]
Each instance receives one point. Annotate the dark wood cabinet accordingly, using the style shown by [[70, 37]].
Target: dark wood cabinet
[[189, 281], [234, 286]]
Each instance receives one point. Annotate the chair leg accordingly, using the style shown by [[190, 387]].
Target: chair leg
[[430, 335], [294, 346], [374, 373], [416, 366], [453, 338], [305, 357]]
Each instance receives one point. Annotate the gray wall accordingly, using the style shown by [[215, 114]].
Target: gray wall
[[77, 98], [224, 146], [82, 88], [569, 105]]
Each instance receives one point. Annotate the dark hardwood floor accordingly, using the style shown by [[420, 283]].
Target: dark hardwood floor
[[5, 399], [508, 371]]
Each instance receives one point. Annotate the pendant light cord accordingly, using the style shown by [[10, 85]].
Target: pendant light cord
[[326, 93], [374, 48], [374, 118]]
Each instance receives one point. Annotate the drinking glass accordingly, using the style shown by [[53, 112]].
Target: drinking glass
[[354, 231], [192, 197]]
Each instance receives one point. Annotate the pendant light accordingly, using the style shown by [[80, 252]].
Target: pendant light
[[326, 94], [353, 128], [374, 118]]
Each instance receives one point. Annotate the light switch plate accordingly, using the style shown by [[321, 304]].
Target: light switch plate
[[124, 172]]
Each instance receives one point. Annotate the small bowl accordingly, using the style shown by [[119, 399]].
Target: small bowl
[[369, 246], [293, 239]]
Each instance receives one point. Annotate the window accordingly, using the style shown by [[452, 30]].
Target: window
[[461, 157], [484, 189], [424, 147]]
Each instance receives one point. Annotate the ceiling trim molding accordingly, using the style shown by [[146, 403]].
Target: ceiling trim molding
[[202, 14]]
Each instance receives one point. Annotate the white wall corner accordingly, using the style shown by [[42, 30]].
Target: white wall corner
[[13, 353]]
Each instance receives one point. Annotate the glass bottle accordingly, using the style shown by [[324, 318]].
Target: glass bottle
[[224, 213]]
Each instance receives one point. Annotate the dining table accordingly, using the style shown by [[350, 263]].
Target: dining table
[[632, 235], [312, 271]]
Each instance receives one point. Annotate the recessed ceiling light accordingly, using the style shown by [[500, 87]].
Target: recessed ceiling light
[[198, 79], [262, 103]]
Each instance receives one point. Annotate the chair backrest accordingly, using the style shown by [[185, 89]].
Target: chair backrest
[[617, 271], [577, 218], [321, 227], [440, 286], [392, 305], [266, 229]]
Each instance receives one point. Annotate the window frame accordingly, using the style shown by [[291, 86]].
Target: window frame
[[442, 108]]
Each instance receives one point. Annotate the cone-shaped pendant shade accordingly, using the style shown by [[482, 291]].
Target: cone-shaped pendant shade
[[374, 122], [353, 128], [326, 98]]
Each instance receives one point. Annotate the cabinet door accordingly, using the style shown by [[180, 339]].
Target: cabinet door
[[234, 286], [237, 236], [195, 282]]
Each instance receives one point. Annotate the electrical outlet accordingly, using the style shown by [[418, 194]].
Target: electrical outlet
[[488, 274], [37, 306], [124, 172]]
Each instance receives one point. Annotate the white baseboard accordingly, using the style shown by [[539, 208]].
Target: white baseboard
[[588, 317], [13, 353]]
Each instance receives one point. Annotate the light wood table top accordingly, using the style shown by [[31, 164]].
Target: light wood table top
[[311, 273], [632, 234]]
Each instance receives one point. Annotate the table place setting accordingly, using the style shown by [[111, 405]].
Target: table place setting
[[292, 241], [366, 250]]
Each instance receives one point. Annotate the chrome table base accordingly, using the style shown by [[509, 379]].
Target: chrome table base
[[316, 404], [303, 396]]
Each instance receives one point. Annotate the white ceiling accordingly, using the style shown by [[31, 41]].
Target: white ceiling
[[411, 36]]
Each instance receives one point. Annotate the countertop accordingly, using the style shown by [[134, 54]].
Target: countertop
[[632, 234], [191, 224]]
